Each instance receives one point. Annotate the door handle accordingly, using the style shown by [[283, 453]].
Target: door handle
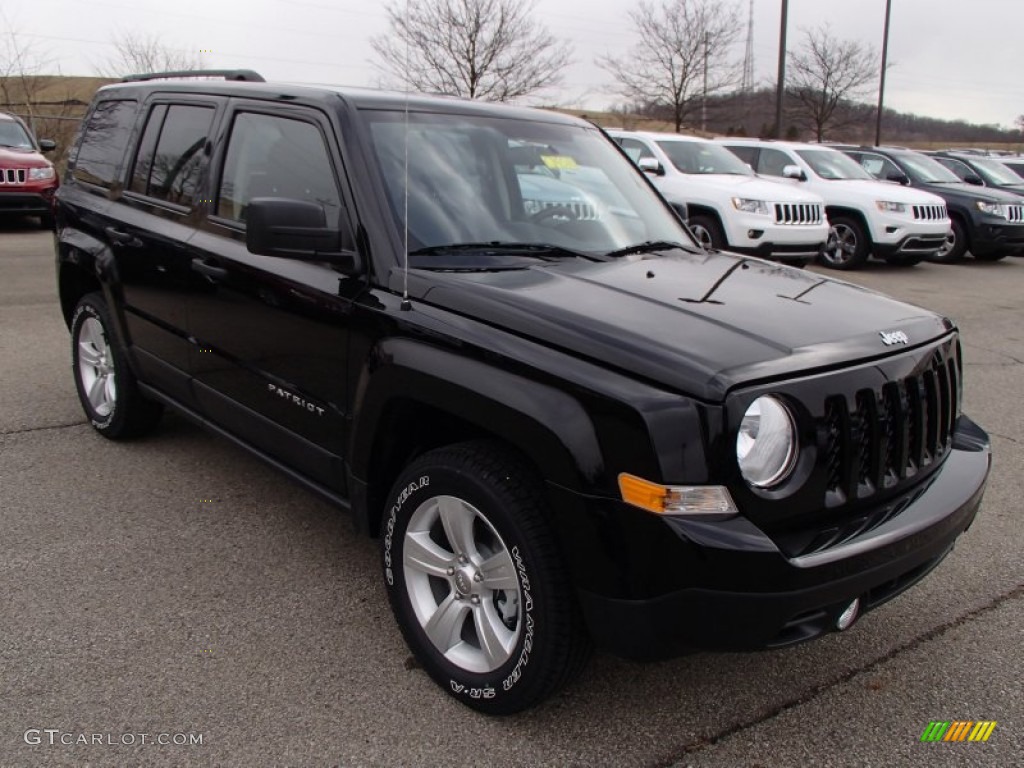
[[210, 270], [122, 238]]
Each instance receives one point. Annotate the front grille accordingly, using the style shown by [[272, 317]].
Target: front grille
[[13, 175], [582, 211], [1015, 213], [930, 212], [798, 213], [885, 435]]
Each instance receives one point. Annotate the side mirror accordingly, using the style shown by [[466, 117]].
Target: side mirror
[[296, 229], [47, 145], [974, 179], [651, 165], [794, 172], [899, 177]]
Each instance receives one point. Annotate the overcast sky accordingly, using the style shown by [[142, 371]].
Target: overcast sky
[[954, 59]]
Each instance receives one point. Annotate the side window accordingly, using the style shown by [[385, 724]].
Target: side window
[[104, 139], [960, 169], [772, 161], [636, 150], [747, 154], [878, 166], [271, 156], [170, 154]]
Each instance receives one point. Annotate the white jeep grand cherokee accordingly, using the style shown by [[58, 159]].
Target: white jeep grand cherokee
[[729, 207], [867, 216]]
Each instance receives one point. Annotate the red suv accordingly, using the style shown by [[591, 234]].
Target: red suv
[[27, 179]]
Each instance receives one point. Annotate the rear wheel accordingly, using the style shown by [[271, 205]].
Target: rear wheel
[[707, 232], [955, 246], [847, 246], [106, 387], [475, 579]]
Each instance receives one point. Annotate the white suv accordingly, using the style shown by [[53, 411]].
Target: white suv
[[892, 222], [729, 207]]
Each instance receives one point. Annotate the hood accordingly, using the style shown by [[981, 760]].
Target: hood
[[883, 190], [970, 192], [740, 186], [698, 324], [12, 157]]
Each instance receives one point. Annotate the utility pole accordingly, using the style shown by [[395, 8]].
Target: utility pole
[[780, 88], [881, 81], [704, 98]]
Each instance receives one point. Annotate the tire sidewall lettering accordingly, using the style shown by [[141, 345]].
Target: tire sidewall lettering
[[389, 527]]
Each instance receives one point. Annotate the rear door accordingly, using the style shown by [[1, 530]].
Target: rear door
[[271, 334], [155, 219]]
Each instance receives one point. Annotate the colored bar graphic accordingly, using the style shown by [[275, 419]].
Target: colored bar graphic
[[958, 730]]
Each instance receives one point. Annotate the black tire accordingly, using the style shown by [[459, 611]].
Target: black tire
[[46, 221], [542, 642], [955, 247], [708, 233], [990, 256], [117, 409], [848, 244]]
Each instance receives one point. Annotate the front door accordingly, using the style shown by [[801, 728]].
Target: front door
[[271, 335]]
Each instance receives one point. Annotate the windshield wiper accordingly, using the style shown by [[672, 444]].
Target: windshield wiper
[[536, 250], [649, 246]]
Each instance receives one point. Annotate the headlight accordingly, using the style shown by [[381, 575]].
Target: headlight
[[888, 207], [750, 206], [992, 209], [766, 444], [40, 174]]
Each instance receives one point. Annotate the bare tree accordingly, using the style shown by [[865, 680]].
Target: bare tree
[[682, 55], [21, 67], [135, 53], [481, 49], [824, 74]]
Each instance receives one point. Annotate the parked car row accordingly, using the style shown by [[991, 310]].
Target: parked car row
[[843, 205]]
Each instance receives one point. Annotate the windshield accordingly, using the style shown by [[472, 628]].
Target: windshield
[[925, 170], [507, 181], [995, 172], [832, 165], [703, 157], [13, 135]]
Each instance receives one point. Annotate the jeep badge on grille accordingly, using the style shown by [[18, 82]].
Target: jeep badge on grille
[[893, 337]]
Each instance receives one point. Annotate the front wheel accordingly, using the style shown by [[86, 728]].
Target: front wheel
[[106, 386], [847, 246], [955, 246], [707, 232], [475, 579]]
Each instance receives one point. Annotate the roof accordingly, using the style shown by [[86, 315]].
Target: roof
[[655, 135], [358, 97], [794, 145]]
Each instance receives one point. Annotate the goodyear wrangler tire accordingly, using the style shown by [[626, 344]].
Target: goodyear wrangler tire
[[106, 386], [475, 580]]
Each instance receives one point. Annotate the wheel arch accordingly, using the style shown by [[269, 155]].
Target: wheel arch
[[424, 398], [852, 213]]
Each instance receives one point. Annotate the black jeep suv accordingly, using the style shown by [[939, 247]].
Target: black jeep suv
[[987, 222], [564, 420]]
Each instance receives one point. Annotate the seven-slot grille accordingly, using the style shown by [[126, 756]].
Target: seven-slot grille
[[930, 212], [889, 434], [13, 175], [798, 213], [1015, 213]]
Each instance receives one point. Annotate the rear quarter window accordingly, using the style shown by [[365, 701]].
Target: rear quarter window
[[104, 140]]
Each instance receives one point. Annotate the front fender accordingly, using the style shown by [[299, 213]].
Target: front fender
[[543, 422]]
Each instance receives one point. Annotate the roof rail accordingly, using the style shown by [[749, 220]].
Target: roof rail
[[242, 75]]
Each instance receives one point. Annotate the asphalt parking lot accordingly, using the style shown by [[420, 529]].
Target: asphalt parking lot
[[176, 587]]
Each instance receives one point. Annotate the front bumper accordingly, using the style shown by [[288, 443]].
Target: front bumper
[[1000, 237], [759, 236], [26, 203], [737, 591], [895, 234]]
